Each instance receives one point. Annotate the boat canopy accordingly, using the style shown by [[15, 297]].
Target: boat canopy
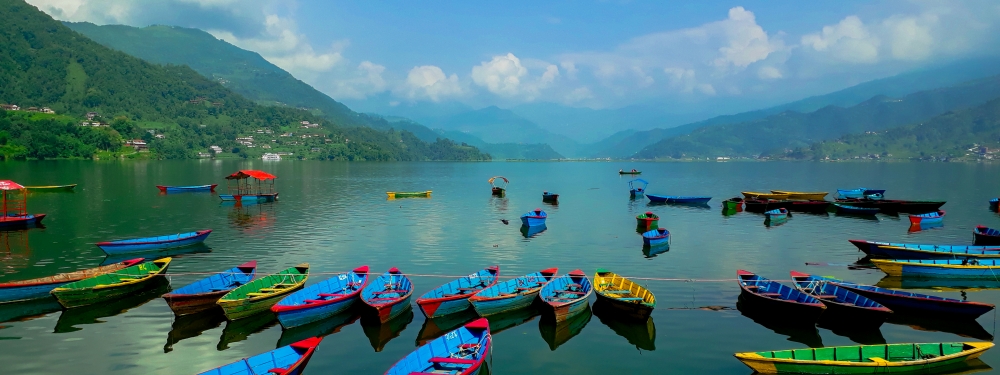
[[493, 181], [14, 201], [247, 173], [638, 182], [10, 185]]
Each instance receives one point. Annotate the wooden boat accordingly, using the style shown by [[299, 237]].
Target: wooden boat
[[778, 298], [259, 295], [809, 206], [109, 286], [567, 295], [633, 172], [777, 214], [321, 300], [453, 297], [764, 205], [759, 195], [647, 220], [462, 351], [860, 193], [512, 294], [986, 236], [854, 210], [896, 205], [632, 299], [203, 294], [250, 186], [52, 188], [186, 189], [153, 243], [805, 196], [40, 288], [995, 204], [534, 218], [940, 268], [928, 218], [498, 185], [389, 294], [286, 360], [412, 194], [902, 301], [637, 187], [549, 197], [15, 207], [677, 199], [865, 359], [529, 232], [893, 250], [656, 237], [735, 203], [843, 304]]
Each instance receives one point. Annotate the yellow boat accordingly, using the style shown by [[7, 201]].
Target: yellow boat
[[806, 196], [51, 188], [759, 195], [411, 194], [865, 359], [624, 294]]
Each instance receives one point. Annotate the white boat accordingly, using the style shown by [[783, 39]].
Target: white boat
[[270, 156]]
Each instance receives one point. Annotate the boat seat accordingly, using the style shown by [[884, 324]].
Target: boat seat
[[314, 300], [467, 289], [457, 361], [252, 294], [751, 287], [770, 294], [572, 292], [629, 298], [607, 284], [616, 291], [574, 286], [468, 346], [331, 295], [387, 292], [825, 296], [524, 288], [383, 299]]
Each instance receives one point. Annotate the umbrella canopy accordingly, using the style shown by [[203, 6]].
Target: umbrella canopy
[[247, 173], [10, 185]]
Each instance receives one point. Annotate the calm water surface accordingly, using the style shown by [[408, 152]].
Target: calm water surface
[[335, 216]]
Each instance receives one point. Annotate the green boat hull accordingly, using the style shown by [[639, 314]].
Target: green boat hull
[[927, 358], [245, 308], [259, 295], [83, 297]]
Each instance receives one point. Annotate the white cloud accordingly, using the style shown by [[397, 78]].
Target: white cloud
[[849, 40], [577, 95], [768, 72], [430, 82], [283, 46], [366, 79], [747, 41], [910, 37], [506, 76]]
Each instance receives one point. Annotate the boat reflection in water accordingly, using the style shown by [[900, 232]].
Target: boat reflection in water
[[321, 328], [251, 216], [91, 314], [193, 325], [801, 331], [239, 330], [775, 222], [652, 251], [150, 255], [914, 228], [556, 334], [938, 284], [530, 232], [28, 310], [379, 333], [510, 319], [642, 334], [437, 327], [962, 327], [864, 334]]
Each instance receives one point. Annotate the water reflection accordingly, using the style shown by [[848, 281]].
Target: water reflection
[[499, 203], [252, 217], [531, 232], [797, 331], [955, 285], [556, 334], [774, 222], [858, 217], [321, 328], [962, 327], [914, 228], [380, 333], [437, 327], [652, 251], [71, 318], [510, 319], [864, 335], [28, 310], [642, 334], [15, 250], [688, 206], [193, 325], [239, 330], [150, 255]]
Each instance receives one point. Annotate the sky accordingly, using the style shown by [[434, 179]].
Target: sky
[[596, 54]]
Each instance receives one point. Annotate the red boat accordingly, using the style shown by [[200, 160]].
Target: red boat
[[15, 207]]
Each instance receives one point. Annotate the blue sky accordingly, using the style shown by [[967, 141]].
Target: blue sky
[[597, 54]]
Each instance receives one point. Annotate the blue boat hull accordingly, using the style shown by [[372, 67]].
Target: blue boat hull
[[8, 295], [891, 253], [131, 248], [295, 318], [656, 198], [699, 200], [496, 306], [249, 198], [532, 222], [954, 273], [452, 307], [656, 242], [919, 305], [188, 189]]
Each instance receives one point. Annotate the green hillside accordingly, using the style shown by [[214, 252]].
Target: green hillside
[[790, 130], [45, 64]]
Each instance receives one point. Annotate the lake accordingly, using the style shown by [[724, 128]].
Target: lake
[[336, 217]]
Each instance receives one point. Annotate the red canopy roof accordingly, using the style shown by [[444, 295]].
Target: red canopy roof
[[10, 185], [246, 173]]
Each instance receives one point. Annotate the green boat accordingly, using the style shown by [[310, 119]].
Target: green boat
[[412, 194], [865, 359], [260, 294], [111, 286], [51, 188]]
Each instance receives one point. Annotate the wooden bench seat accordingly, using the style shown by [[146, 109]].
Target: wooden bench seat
[[457, 361]]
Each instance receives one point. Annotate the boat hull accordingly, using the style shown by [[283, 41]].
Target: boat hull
[[25, 293], [930, 270], [782, 309], [758, 195], [732, 205], [112, 248], [567, 311], [389, 311], [761, 206], [532, 222], [765, 365], [186, 189], [186, 304], [493, 306], [21, 221], [840, 314], [84, 297], [806, 196], [912, 251], [51, 188], [438, 308], [983, 236], [909, 304], [301, 317], [636, 311], [413, 194], [244, 308], [249, 198]]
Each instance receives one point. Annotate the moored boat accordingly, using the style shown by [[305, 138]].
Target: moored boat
[[153, 243], [51, 188], [286, 360], [24, 290], [635, 301], [321, 300], [895, 205], [647, 220], [498, 185], [186, 189], [259, 295], [859, 193], [777, 298], [851, 209], [250, 185], [842, 304], [453, 297], [388, 294], [995, 204], [764, 205], [633, 172], [805, 196], [567, 295], [892, 250], [735, 203], [412, 194], [940, 268], [759, 195], [678, 199], [777, 214], [462, 351], [865, 359], [549, 197], [637, 187], [534, 218], [928, 218], [984, 236], [15, 207], [203, 294], [656, 237], [512, 294], [109, 286], [902, 301]]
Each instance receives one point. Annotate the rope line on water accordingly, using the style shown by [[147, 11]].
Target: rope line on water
[[461, 276]]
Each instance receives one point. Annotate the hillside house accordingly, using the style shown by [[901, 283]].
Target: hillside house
[[160, 136], [91, 115], [138, 144], [215, 149], [48, 110], [314, 149], [32, 109], [304, 122], [10, 107], [203, 155]]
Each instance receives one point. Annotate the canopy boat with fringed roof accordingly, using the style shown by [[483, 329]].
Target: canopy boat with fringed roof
[[15, 207], [250, 185], [499, 185]]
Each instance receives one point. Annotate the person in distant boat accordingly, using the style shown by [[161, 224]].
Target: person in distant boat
[[621, 170], [633, 170]]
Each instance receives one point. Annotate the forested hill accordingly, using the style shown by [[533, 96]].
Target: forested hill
[[45, 64], [791, 130]]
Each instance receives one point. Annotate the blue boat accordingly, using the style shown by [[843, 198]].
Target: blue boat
[[203, 294], [936, 217], [321, 300], [512, 294], [534, 218], [529, 232], [40, 288], [854, 210], [655, 237], [186, 189], [995, 204], [637, 187], [677, 199], [389, 294], [979, 269], [860, 193], [568, 295], [549, 197], [984, 236], [453, 297], [778, 299], [893, 250], [286, 360], [777, 214], [842, 304], [463, 351], [914, 303], [153, 243]]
